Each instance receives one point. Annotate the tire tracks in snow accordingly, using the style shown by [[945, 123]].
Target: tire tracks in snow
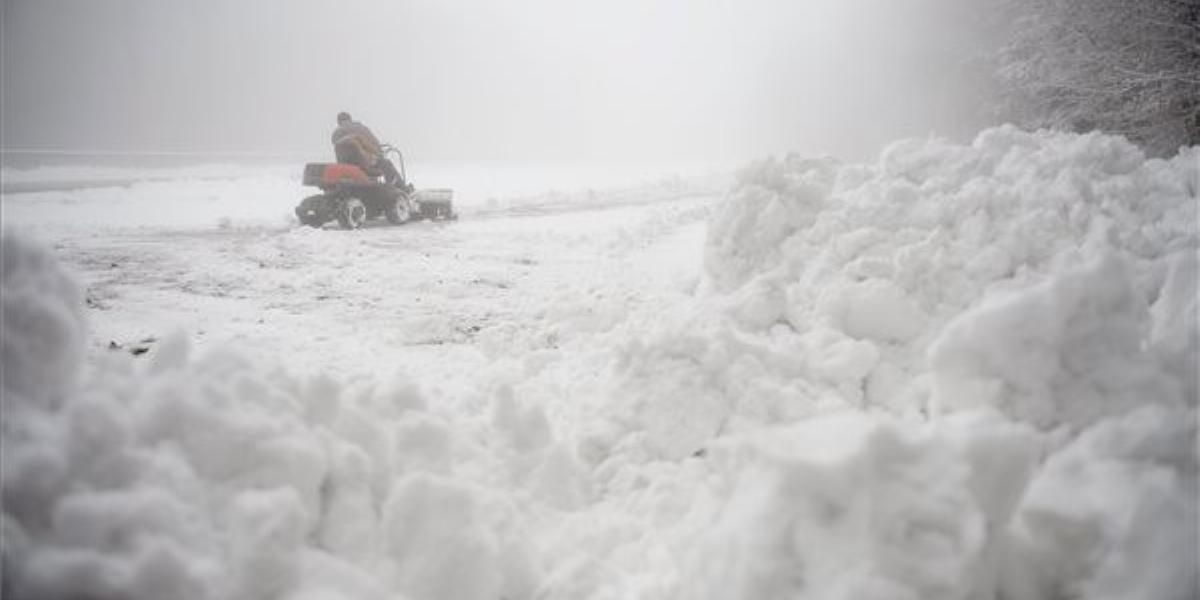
[[347, 299]]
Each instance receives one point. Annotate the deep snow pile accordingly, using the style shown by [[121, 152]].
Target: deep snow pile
[[1018, 261], [988, 352], [962, 372], [216, 478]]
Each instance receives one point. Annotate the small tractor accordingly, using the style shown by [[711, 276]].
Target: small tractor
[[352, 195]]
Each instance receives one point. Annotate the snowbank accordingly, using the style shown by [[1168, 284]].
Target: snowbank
[[217, 477], [961, 372], [889, 286], [998, 334], [44, 330]]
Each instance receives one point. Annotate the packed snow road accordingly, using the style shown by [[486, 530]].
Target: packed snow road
[[417, 298]]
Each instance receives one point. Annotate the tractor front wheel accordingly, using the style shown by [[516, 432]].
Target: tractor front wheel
[[353, 214], [398, 212]]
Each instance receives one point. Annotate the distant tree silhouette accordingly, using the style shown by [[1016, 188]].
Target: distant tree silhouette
[[1123, 66]]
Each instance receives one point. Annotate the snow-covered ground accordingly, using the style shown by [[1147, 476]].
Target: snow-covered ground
[[959, 372]]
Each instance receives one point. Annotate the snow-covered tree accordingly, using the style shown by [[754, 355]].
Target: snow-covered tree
[[1123, 66]]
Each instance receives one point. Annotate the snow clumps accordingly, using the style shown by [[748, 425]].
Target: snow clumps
[[188, 477], [966, 371], [44, 329]]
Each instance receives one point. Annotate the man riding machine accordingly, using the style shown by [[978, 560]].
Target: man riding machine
[[353, 143], [352, 192]]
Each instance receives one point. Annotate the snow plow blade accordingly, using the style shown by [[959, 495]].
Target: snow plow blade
[[435, 203]]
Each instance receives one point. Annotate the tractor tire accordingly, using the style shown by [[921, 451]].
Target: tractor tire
[[312, 211], [398, 212], [353, 214]]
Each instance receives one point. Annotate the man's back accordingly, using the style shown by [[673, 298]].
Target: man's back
[[353, 130], [355, 144]]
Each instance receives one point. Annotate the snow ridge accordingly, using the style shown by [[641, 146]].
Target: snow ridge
[[927, 378]]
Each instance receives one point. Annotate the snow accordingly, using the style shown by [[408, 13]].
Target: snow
[[963, 371], [55, 200], [44, 330], [851, 506]]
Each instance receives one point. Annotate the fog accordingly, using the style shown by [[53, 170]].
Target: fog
[[527, 80]]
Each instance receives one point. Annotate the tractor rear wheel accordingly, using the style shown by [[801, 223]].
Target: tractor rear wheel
[[353, 214]]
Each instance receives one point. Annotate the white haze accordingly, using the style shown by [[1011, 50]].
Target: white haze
[[529, 80]]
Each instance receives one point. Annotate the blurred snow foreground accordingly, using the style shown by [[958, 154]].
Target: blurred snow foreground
[[962, 372]]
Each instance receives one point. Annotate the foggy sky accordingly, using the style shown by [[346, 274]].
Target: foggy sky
[[620, 80]]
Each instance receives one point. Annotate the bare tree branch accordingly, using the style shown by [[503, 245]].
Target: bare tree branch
[[1129, 67]]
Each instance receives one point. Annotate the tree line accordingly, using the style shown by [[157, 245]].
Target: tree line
[[1130, 67]]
